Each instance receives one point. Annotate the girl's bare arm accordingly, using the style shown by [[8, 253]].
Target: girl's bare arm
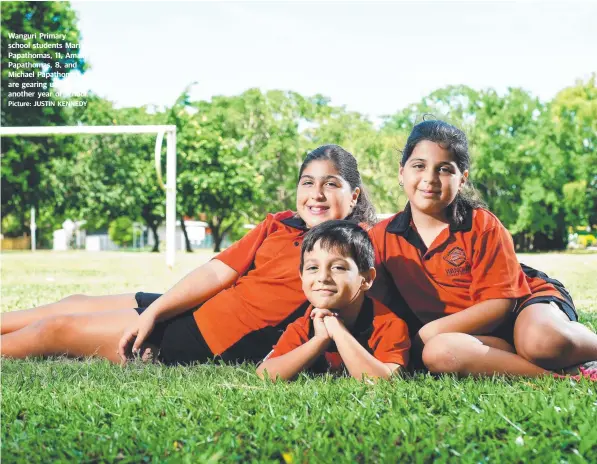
[[479, 319], [290, 364], [195, 288], [359, 362]]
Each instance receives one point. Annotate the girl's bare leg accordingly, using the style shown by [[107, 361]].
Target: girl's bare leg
[[464, 354], [91, 334], [495, 342], [545, 336], [16, 320]]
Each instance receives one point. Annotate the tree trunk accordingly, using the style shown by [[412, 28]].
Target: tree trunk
[[218, 231], [23, 221], [186, 236], [154, 229], [215, 233], [517, 239]]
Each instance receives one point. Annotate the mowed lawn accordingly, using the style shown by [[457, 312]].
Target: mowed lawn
[[90, 411]]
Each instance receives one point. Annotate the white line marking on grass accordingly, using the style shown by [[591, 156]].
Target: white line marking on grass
[[95, 434], [271, 411], [106, 410], [249, 374], [250, 387], [511, 423], [358, 400], [502, 394]]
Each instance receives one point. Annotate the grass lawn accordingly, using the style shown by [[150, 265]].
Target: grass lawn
[[91, 411]]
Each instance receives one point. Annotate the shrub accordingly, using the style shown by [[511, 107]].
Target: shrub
[[121, 231], [586, 241]]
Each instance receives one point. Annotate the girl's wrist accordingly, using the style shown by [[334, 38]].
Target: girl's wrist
[[322, 340], [151, 313]]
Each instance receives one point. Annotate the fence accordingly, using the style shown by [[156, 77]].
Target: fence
[[16, 243]]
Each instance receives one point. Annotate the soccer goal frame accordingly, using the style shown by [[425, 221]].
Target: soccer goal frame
[[159, 130]]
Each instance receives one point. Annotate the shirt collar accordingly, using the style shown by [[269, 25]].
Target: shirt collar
[[364, 320], [402, 222], [295, 222]]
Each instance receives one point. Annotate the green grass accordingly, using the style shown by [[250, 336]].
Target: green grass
[[91, 411]]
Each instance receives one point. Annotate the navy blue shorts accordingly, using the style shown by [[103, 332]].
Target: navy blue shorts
[[178, 340], [563, 301], [506, 330]]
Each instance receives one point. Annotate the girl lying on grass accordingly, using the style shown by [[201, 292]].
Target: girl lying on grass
[[343, 327], [234, 307], [454, 264]]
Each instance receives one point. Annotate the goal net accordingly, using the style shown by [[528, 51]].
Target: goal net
[[160, 130]]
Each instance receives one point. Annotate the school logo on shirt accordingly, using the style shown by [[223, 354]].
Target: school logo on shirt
[[456, 257]]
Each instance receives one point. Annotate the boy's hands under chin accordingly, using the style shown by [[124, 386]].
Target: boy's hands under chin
[[317, 316], [334, 325]]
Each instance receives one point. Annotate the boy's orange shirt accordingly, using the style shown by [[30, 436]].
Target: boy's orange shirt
[[377, 329], [466, 264]]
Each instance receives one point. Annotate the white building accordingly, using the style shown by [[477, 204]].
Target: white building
[[196, 230], [73, 236]]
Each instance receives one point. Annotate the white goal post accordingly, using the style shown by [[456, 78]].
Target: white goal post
[[160, 130]]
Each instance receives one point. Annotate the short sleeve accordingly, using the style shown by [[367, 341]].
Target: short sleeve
[[295, 335], [391, 342], [241, 254], [495, 269]]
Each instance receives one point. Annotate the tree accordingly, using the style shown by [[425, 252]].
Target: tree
[[24, 159], [505, 164], [509, 143], [372, 149], [573, 113], [268, 126], [121, 231], [216, 177], [238, 156], [110, 175]]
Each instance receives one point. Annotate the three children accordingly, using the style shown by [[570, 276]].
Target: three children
[[477, 311]]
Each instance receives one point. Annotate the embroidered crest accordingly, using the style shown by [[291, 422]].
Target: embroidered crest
[[455, 257]]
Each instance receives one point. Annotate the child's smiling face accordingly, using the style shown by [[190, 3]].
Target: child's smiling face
[[331, 280], [431, 178], [323, 194]]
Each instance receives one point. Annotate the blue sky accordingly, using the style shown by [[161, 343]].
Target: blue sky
[[374, 57]]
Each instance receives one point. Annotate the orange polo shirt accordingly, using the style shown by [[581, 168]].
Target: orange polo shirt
[[243, 321], [465, 264], [383, 334]]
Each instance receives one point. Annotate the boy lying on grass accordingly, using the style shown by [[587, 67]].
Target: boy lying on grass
[[342, 327]]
